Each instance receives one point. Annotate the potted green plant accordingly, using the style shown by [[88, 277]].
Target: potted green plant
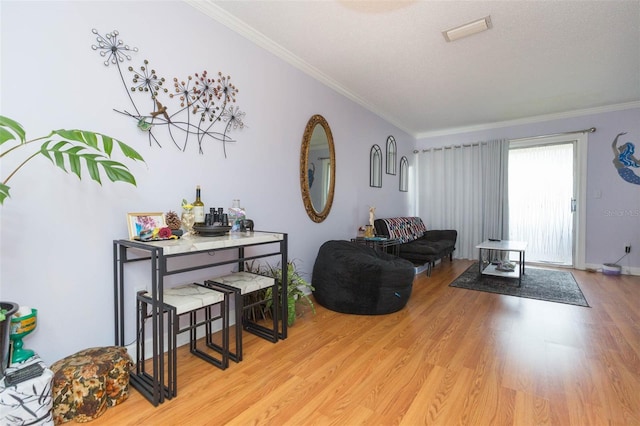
[[296, 286], [68, 149]]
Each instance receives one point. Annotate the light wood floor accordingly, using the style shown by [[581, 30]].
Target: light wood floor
[[451, 357]]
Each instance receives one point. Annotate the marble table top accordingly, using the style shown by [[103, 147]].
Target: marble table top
[[195, 243]]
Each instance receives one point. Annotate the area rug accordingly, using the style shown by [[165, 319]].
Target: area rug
[[542, 284]]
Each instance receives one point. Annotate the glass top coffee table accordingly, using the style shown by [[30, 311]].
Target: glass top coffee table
[[502, 269], [389, 245]]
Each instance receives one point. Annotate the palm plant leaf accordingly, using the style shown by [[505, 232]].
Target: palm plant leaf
[[93, 140], [9, 129], [4, 192], [69, 150], [70, 157]]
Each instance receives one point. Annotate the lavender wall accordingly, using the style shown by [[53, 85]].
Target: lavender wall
[[613, 205], [56, 231]]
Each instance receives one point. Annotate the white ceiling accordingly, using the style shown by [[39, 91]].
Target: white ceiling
[[540, 59]]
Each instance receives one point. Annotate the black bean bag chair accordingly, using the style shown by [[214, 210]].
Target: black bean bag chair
[[355, 279]]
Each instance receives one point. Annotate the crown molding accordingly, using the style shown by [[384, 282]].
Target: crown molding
[[529, 120], [209, 8]]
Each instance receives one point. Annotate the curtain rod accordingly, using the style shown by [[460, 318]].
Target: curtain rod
[[440, 148], [589, 130]]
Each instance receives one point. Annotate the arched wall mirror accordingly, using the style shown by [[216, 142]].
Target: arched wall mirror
[[404, 174], [391, 155], [317, 168], [375, 167]]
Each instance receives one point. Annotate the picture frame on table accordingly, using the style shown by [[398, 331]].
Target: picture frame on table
[[137, 222]]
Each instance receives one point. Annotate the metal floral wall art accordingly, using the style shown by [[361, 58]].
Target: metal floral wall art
[[199, 107]]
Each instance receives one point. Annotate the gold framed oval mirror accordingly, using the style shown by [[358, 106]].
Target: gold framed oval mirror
[[317, 168]]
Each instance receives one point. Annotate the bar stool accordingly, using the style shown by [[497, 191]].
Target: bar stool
[[242, 284], [182, 300]]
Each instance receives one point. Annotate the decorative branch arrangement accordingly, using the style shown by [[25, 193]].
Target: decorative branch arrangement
[[201, 101]]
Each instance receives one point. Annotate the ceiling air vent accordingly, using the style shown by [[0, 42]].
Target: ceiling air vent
[[465, 30]]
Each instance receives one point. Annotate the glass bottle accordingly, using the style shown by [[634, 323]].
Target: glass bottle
[[198, 208]]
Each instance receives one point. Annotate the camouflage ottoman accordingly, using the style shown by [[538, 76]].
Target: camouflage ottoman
[[87, 382]]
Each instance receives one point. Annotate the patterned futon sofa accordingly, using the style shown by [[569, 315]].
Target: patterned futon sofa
[[418, 245]]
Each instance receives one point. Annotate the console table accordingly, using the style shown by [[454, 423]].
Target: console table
[[158, 254]]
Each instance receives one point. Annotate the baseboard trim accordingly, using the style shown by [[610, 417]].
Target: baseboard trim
[[626, 270], [597, 267]]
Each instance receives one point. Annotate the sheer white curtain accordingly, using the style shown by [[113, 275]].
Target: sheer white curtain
[[465, 188]]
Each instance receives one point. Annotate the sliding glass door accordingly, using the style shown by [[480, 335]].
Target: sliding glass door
[[542, 199]]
